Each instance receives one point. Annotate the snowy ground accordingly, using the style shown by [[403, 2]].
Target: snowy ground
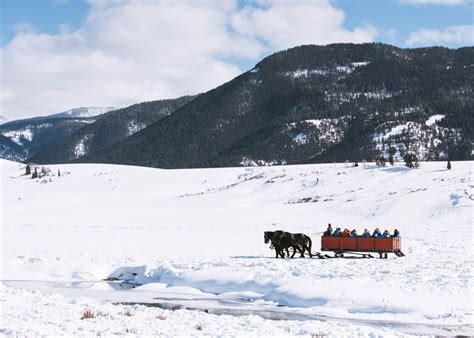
[[193, 239]]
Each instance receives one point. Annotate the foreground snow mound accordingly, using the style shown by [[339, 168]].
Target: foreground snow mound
[[45, 314], [220, 280], [297, 295], [338, 297]]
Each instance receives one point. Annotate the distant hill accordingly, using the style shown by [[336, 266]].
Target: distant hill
[[23, 138], [109, 129], [318, 104], [26, 137]]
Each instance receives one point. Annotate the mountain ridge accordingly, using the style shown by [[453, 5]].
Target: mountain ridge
[[110, 128], [360, 96]]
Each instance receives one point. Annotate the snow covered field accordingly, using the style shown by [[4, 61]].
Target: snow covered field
[[193, 239]]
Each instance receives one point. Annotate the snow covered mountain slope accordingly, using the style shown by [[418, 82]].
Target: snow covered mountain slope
[[23, 138], [66, 136], [194, 238], [109, 129], [319, 104]]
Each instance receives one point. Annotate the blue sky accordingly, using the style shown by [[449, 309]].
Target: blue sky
[[44, 15], [404, 18], [63, 54]]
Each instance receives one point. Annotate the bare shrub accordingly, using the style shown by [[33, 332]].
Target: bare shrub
[[161, 317], [128, 313], [318, 335], [199, 327], [131, 330], [88, 314]]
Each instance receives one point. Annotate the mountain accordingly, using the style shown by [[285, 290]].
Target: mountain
[[23, 138], [319, 104], [11, 150], [109, 129]]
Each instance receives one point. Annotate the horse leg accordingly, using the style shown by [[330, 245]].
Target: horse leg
[[294, 251], [301, 251], [310, 244], [279, 252], [308, 248]]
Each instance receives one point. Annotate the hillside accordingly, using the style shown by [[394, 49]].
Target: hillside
[[21, 139], [109, 129], [194, 239], [319, 104]]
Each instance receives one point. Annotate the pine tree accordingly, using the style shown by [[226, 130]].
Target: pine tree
[[411, 161], [28, 170], [35, 173], [449, 165], [380, 161], [59, 173], [390, 159]]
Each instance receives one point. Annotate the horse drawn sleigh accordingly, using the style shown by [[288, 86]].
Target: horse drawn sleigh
[[282, 241]]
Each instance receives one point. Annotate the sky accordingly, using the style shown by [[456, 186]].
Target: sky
[[62, 54]]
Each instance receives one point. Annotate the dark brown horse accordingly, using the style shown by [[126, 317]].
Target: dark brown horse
[[282, 240]]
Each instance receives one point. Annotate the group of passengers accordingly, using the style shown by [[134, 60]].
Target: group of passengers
[[366, 233]]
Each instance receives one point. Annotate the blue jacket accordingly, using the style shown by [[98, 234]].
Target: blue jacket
[[385, 235], [366, 234], [396, 235], [337, 233], [376, 233], [352, 234]]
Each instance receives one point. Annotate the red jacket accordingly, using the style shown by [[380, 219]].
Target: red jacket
[[346, 233]]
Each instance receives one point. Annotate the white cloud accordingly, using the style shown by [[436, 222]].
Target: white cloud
[[129, 51], [463, 34], [435, 2], [64, 28], [281, 24]]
